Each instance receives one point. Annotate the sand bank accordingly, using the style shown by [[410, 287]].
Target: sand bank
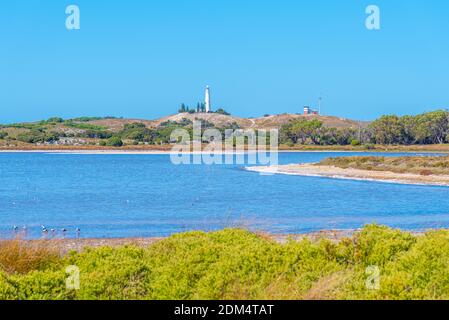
[[313, 170]]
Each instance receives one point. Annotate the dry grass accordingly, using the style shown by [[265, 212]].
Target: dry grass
[[422, 165], [21, 256]]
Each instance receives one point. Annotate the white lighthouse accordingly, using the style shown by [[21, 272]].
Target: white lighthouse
[[207, 100]]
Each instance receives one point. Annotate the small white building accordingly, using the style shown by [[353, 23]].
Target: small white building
[[308, 110]]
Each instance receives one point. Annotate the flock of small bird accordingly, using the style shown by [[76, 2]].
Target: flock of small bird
[[45, 231]]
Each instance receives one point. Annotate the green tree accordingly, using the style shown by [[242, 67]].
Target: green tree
[[182, 109], [432, 127], [387, 130], [304, 129], [409, 134]]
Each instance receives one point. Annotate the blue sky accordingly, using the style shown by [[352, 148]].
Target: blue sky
[[142, 59]]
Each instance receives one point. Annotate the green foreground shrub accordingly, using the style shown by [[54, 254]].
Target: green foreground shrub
[[237, 264]]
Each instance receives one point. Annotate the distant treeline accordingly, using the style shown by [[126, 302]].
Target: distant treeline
[[426, 128], [200, 107]]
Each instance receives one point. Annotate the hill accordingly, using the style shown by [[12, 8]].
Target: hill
[[276, 121], [221, 120], [115, 132]]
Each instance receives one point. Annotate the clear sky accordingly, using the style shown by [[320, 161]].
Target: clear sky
[[142, 59]]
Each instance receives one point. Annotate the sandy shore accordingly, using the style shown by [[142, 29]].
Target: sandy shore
[[353, 174], [68, 244], [167, 150]]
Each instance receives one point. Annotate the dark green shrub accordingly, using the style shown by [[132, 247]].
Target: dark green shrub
[[369, 146], [222, 111], [114, 142], [32, 136]]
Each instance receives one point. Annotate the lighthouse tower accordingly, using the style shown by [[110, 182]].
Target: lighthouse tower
[[207, 99]]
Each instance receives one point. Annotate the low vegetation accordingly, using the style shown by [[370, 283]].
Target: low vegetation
[[83, 132], [423, 165], [237, 264]]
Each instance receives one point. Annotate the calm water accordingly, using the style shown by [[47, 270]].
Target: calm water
[[145, 195]]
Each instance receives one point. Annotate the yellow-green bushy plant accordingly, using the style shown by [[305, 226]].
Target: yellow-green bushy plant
[[237, 264]]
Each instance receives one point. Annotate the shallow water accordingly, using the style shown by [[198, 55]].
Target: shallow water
[[146, 195]]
